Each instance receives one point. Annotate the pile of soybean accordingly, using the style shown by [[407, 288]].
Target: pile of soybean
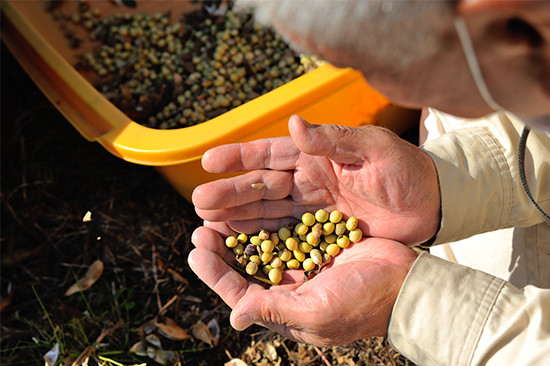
[[308, 245], [166, 74]]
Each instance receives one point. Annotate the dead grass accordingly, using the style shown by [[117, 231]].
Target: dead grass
[[140, 230]]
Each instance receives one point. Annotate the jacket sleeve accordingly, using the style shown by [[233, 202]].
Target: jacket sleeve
[[448, 314], [479, 179]]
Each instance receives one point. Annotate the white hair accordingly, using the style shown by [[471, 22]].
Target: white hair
[[399, 31]]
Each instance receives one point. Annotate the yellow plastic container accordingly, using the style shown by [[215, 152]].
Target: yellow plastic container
[[323, 96]]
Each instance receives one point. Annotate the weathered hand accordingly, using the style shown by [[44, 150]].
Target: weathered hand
[[350, 299], [391, 186]]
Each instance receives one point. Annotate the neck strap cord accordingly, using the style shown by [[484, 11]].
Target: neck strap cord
[[521, 166]]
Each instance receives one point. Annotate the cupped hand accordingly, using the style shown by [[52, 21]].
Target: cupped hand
[[350, 299], [368, 172]]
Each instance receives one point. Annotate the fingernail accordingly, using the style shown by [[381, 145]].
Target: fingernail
[[243, 322]]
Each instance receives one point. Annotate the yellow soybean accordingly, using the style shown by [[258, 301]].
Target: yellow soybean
[[333, 249], [355, 235], [291, 243], [351, 224], [231, 242], [308, 264], [328, 228], [275, 275], [305, 247], [293, 264], [301, 228], [299, 255], [267, 246], [335, 217], [308, 219], [343, 241], [284, 233], [321, 215]]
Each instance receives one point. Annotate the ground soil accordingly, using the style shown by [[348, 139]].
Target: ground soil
[[140, 230]]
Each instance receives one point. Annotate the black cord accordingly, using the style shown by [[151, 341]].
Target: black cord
[[521, 164]]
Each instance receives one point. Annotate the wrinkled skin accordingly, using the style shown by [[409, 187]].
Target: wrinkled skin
[[388, 184], [349, 300], [368, 172]]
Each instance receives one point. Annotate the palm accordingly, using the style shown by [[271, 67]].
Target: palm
[[386, 206], [390, 185], [350, 299]]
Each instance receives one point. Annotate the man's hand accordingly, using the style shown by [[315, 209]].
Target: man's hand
[[350, 299], [391, 186]]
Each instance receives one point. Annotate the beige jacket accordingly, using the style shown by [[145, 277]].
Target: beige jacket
[[449, 314]]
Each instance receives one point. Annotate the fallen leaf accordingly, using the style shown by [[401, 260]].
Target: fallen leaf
[[214, 329], [177, 277], [271, 351], [235, 362], [170, 329], [201, 332], [154, 340], [149, 327], [6, 301], [91, 276], [87, 217], [51, 356], [165, 357], [139, 349], [160, 264], [258, 186]]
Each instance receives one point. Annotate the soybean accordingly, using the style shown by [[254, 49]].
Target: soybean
[[308, 245]]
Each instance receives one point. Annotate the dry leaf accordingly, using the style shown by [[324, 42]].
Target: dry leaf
[[152, 352], [6, 301], [51, 356], [177, 277], [139, 349], [154, 340], [87, 217], [235, 362], [165, 357], [91, 276], [160, 264], [271, 352], [149, 327], [170, 329], [214, 329], [201, 332], [258, 186]]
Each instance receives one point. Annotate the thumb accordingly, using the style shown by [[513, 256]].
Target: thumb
[[266, 307], [339, 143]]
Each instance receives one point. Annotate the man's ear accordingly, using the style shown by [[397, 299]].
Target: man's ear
[[514, 30], [512, 22]]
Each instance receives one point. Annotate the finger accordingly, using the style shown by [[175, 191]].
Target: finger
[[278, 153], [255, 210], [339, 143], [236, 191], [276, 306], [220, 277], [208, 238], [221, 227]]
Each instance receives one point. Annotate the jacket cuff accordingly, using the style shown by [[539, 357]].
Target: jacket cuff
[[475, 183]]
